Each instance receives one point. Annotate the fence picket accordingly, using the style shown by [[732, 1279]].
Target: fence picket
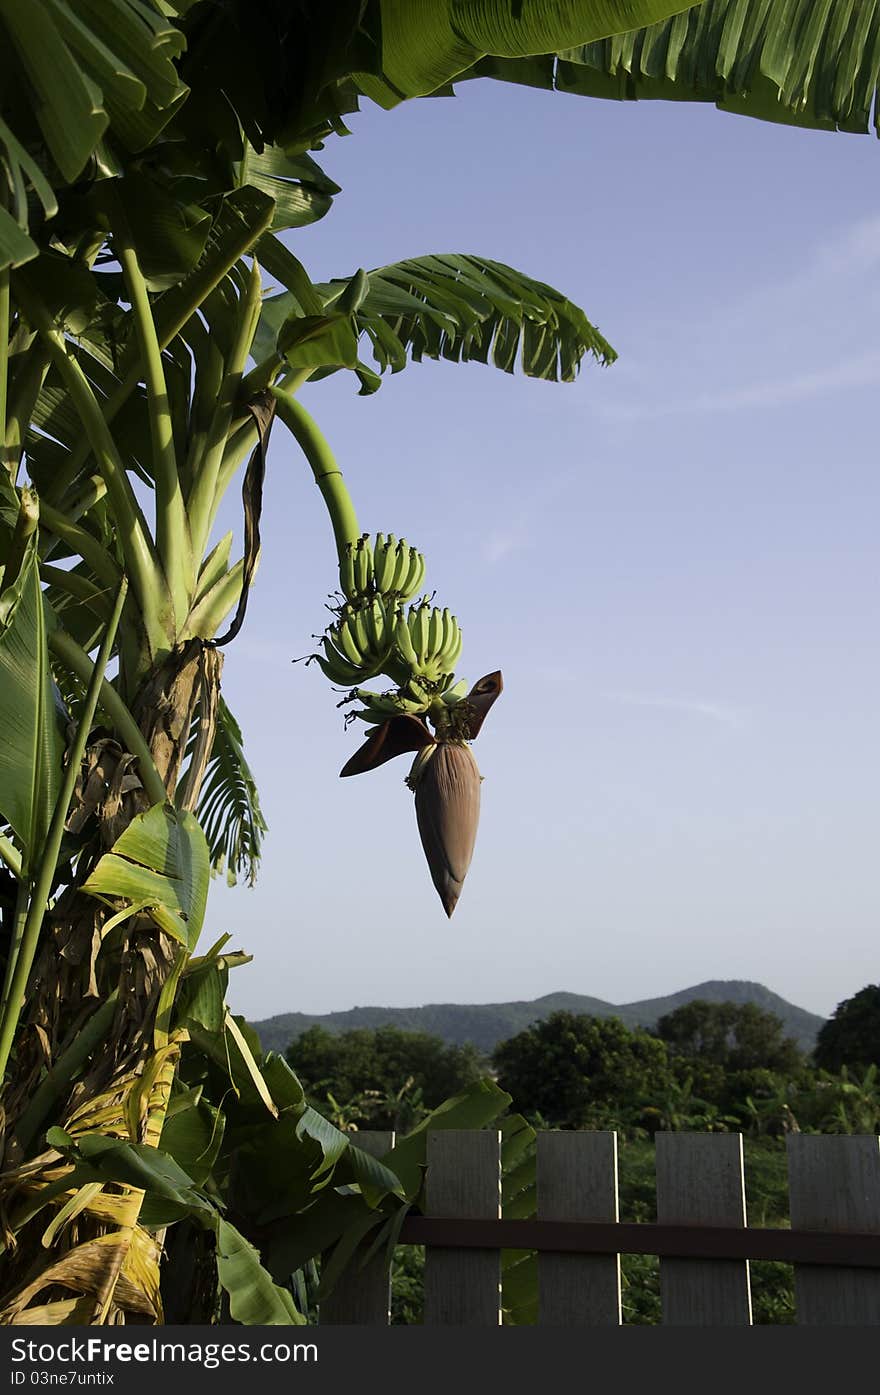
[[700, 1181], [834, 1184], [362, 1295], [463, 1287], [577, 1181]]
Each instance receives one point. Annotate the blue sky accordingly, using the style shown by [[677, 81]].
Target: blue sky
[[673, 561]]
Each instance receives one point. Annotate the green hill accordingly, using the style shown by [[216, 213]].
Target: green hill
[[486, 1024]]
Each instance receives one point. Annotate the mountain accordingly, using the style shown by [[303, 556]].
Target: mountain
[[486, 1024]]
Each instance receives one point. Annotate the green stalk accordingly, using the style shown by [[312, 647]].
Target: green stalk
[[13, 1002], [66, 1068], [142, 563], [19, 922], [172, 533], [11, 856], [328, 475], [77, 586], [82, 542], [70, 653], [29, 379], [4, 360], [208, 382], [89, 492], [205, 496]]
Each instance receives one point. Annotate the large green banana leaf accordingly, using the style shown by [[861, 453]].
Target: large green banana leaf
[[422, 47], [809, 63], [30, 741]]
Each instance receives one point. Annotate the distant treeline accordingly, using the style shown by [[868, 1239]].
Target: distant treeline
[[706, 1065]]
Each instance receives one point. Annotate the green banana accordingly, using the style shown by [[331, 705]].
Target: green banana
[[401, 567], [420, 632], [346, 572], [435, 632], [357, 624], [415, 575], [342, 635], [403, 640], [363, 565], [385, 563], [336, 666], [451, 649]]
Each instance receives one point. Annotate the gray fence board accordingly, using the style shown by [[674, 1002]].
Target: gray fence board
[[463, 1287], [577, 1181], [362, 1295], [834, 1184], [700, 1181]]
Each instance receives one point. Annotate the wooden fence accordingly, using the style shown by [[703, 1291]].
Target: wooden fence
[[700, 1236]]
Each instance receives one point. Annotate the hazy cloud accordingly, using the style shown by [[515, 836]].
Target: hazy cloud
[[859, 371], [714, 711]]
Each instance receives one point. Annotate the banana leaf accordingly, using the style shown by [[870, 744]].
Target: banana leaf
[[31, 746], [812, 63], [161, 861]]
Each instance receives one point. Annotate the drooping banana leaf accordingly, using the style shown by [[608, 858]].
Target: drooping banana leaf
[[229, 805], [811, 63], [421, 48], [461, 308]]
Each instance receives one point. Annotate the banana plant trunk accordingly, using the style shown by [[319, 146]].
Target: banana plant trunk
[[71, 985]]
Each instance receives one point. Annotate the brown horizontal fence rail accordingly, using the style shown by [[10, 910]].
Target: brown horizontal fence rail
[[644, 1238]]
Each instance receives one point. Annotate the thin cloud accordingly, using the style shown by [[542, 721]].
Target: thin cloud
[[501, 543], [712, 711], [860, 371]]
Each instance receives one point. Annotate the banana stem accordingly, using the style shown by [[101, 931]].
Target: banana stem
[[142, 563], [4, 360], [18, 925], [206, 495], [81, 541], [78, 586], [328, 475], [21, 400], [172, 533], [10, 1011]]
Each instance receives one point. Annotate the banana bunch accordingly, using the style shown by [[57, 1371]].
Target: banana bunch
[[360, 642], [388, 567], [429, 642]]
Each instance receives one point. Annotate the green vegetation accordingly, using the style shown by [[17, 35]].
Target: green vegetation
[[387, 1079], [851, 1036]]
